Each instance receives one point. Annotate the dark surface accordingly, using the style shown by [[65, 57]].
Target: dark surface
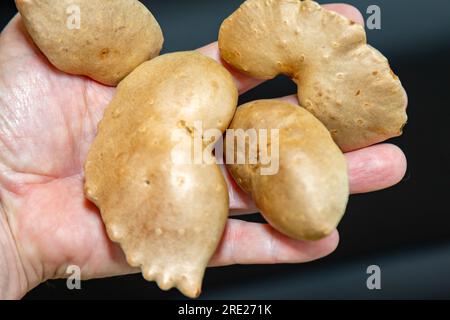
[[405, 230]]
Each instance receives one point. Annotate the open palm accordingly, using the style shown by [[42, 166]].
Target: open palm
[[48, 120]]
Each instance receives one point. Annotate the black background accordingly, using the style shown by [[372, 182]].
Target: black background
[[405, 230]]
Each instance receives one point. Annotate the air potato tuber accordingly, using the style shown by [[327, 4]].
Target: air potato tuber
[[168, 215], [308, 196], [104, 40], [344, 82]]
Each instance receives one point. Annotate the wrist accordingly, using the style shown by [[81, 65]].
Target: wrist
[[13, 281]]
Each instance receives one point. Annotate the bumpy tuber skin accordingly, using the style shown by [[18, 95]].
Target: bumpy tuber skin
[[307, 198], [344, 82], [112, 38], [168, 215]]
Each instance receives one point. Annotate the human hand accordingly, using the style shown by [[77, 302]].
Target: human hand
[[48, 121]]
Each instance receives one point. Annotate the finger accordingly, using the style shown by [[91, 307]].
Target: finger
[[346, 10], [109, 263], [376, 168], [370, 169], [242, 243], [253, 243], [245, 83]]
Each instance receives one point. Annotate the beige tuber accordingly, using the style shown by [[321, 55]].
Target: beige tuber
[[104, 40], [307, 198], [167, 212], [344, 82]]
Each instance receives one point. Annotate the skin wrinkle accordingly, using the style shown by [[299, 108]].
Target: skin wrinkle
[[71, 141], [85, 115], [89, 112], [5, 148], [26, 265], [19, 265], [4, 272], [71, 138], [21, 188], [235, 237], [61, 272], [68, 129], [8, 128], [85, 121], [271, 247], [41, 266]]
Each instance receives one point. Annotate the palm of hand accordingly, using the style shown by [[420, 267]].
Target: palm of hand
[[48, 121]]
